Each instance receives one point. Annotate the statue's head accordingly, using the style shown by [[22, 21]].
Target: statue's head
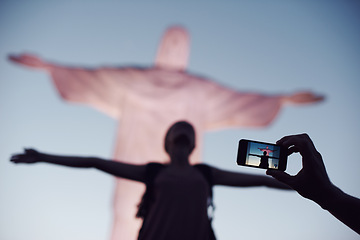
[[180, 135]]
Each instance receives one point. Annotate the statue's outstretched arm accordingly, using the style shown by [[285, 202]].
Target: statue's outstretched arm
[[102, 88], [31, 61], [302, 97], [229, 108]]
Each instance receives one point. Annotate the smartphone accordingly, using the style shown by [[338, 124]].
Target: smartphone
[[261, 155]]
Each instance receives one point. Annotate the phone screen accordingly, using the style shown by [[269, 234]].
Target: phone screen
[[262, 155]]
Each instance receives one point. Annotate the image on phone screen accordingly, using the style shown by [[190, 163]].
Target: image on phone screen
[[262, 155]]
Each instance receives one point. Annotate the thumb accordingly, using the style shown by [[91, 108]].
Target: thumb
[[280, 176]]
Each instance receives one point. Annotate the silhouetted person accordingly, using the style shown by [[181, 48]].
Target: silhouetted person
[[177, 197], [312, 182], [264, 159]]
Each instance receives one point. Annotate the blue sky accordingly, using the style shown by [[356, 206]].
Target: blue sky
[[263, 46]]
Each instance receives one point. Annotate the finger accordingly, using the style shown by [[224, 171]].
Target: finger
[[304, 98], [292, 149], [286, 139], [308, 97], [15, 156], [280, 176], [300, 141], [303, 144], [290, 144], [20, 58], [13, 58], [293, 140], [318, 98], [14, 159], [280, 141], [28, 150]]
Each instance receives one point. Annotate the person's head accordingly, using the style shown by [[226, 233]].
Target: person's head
[[181, 135], [265, 153]]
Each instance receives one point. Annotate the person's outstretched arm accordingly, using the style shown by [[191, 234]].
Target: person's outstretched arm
[[118, 169], [312, 182], [236, 179]]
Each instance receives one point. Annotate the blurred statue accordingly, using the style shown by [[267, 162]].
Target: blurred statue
[[145, 101]]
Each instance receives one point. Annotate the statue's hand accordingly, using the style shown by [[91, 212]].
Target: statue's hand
[[30, 61], [302, 98]]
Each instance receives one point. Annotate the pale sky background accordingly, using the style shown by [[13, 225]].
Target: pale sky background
[[264, 46]]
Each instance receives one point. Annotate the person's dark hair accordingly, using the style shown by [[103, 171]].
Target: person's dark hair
[[185, 134]]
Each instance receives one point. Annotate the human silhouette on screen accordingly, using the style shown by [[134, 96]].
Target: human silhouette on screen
[[264, 159]]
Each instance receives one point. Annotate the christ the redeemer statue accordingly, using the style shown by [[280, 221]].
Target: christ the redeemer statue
[[146, 101]]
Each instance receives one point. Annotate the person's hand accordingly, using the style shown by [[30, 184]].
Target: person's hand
[[29, 156], [302, 98], [30, 61], [311, 181]]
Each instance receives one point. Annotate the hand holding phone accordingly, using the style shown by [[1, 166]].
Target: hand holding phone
[[261, 155]]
